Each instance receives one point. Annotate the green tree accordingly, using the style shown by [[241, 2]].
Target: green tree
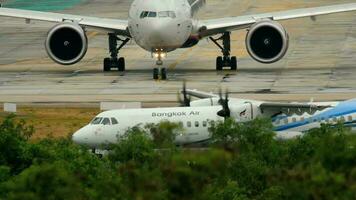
[[187, 173], [14, 147], [49, 181], [136, 145], [164, 133]]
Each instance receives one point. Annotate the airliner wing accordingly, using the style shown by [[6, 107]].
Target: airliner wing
[[103, 24], [215, 26], [272, 109]]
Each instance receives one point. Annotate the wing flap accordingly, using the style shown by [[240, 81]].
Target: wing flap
[[105, 24], [215, 26]]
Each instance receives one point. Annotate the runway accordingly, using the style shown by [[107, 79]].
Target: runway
[[320, 62]]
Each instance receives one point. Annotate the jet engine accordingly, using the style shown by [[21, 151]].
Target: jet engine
[[267, 41], [66, 43]]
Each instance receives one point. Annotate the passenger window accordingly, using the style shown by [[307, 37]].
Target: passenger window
[[152, 14], [96, 120], [342, 119], [335, 119], [114, 121], [106, 121], [350, 118], [294, 119], [286, 121], [189, 124], [302, 119], [205, 123], [196, 124], [180, 124]]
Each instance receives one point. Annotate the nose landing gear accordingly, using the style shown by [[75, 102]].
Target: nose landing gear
[[226, 60], [114, 61], [159, 71]]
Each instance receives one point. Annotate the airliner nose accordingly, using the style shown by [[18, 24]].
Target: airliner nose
[[80, 136], [76, 137], [160, 33]]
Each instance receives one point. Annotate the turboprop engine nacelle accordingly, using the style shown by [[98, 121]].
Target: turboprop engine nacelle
[[66, 43], [267, 41]]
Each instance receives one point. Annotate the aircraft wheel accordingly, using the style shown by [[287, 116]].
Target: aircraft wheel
[[164, 74], [121, 64], [233, 63], [219, 63], [155, 73], [107, 64]]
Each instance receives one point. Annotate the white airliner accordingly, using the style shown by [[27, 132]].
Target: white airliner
[[289, 119], [161, 26]]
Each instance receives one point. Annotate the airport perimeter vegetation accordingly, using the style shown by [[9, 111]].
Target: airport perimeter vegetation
[[243, 161]]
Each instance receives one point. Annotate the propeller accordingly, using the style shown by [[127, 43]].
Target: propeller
[[185, 102], [224, 102]]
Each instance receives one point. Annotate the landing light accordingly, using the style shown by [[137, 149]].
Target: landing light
[[160, 55]]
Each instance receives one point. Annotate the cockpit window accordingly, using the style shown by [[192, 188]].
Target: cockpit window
[[106, 121], [145, 14], [96, 120], [152, 14], [170, 14], [114, 121]]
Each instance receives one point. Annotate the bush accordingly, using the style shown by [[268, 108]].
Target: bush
[[15, 151], [48, 181], [244, 161], [135, 146], [164, 133]]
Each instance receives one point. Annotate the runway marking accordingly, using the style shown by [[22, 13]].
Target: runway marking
[[181, 57], [92, 34]]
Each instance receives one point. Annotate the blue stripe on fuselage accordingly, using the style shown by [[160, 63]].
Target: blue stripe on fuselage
[[343, 108]]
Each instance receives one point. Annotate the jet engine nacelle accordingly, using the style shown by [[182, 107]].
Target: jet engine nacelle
[[66, 43], [267, 41]]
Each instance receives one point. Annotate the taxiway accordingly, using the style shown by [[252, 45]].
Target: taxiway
[[320, 63]]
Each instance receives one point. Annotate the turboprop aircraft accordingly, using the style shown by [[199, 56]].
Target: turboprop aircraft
[[162, 26], [289, 119]]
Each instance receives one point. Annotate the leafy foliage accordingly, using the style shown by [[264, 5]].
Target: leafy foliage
[[164, 133], [14, 150], [134, 146], [244, 161]]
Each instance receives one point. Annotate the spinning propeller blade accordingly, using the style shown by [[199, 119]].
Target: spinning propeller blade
[[224, 102], [185, 102]]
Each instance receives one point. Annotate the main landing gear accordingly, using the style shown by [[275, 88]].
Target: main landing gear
[[114, 61], [226, 60]]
